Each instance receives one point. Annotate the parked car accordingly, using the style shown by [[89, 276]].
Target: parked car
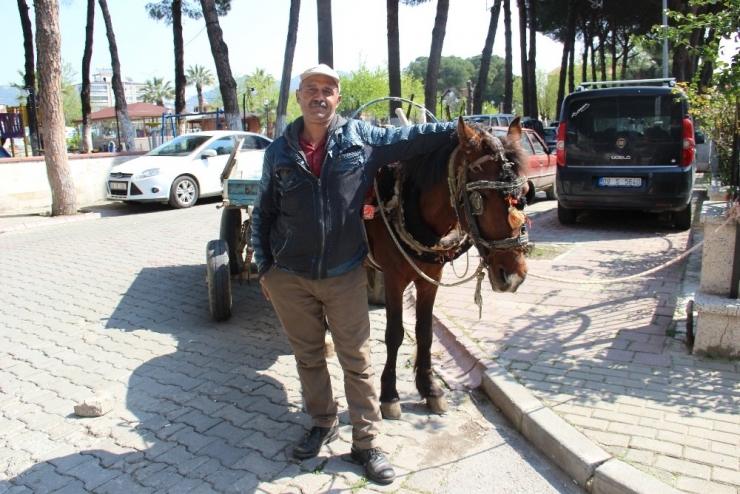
[[551, 137], [628, 147], [186, 168], [541, 175], [492, 120], [699, 136]]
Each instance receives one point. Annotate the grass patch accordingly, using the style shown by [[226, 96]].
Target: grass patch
[[543, 252]]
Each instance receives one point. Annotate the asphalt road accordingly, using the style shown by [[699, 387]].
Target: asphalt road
[[118, 306]]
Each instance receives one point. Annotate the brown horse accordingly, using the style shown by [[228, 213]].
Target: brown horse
[[484, 177]]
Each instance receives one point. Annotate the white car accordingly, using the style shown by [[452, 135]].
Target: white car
[[186, 168]]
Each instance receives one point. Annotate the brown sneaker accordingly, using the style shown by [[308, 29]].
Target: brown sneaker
[[377, 466], [314, 440]]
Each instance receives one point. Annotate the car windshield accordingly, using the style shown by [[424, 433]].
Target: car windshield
[[624, 130], [550, 131], [179, 146]]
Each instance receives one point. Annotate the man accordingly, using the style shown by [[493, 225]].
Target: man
[[309, 246]]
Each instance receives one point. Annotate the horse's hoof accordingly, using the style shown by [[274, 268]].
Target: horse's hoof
[[391, 411], [437, 404]]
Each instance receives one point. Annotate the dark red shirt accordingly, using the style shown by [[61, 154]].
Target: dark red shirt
[[314, 154]]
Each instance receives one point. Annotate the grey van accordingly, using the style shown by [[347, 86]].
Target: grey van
[[629, 147]]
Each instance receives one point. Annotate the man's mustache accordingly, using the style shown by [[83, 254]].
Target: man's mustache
[[316, 102]]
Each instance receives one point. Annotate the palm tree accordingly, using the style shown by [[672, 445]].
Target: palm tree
[[200, 76], [156, 91], [85, 92], [121, 108], [220, 52], [49, 49], [29, 78], [326, 40], [485, 61], [435, 55], [290, 43]]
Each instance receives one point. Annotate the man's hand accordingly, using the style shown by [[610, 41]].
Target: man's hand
[[262, 285]]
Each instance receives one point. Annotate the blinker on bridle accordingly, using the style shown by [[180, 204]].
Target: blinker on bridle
[[472, 200]]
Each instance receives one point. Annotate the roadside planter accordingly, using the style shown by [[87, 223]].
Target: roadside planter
[[718, 323]]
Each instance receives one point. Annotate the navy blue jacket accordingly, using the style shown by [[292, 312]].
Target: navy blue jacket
[[310, 226]]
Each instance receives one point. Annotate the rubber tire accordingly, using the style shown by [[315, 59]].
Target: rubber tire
[[531, 193], [231, 228], [682, 219], [566, 216], [551, 193], [218, 280], [375, 287], [177, 198]]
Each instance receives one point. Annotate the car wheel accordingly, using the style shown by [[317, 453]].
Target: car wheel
[[231, 229], [566, 216], [218, 280], [682, 219], [184, 192], [531, 193], [551, 193]]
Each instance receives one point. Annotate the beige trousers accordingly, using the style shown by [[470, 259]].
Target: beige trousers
[[300, 304]]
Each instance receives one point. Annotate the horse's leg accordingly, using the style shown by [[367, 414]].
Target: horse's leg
[[425, 295], [390, 404]]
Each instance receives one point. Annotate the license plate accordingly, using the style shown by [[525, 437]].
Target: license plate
[[620, 182], [118, 185]]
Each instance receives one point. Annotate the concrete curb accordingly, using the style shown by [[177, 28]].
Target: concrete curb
[[48, 221], [590, 466]]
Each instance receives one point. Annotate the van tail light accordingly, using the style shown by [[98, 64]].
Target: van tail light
[[560, 145], [687, 141]]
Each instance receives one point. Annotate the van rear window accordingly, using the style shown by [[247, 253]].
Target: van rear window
[[624, 130]]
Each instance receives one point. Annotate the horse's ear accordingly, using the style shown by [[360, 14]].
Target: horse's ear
[[469, 139], [515, 130]]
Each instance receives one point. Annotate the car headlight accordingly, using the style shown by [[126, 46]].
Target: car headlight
[[147, 173]]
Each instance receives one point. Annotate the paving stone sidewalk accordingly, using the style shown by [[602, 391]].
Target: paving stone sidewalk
[[118, 306], [610, 358]]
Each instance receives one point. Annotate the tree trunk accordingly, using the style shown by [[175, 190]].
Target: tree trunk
[[532, 61], [593, 63], [29, 78], [127, 129], [290, 44], [567, 47], [523, 57], [615, 58], [220, 52], [508, 61], [49, 49], [602, 58], [435, 55], [180, 80], [201, 103], [394, 56], [85, 92], [326, 37], [572, 65], [485, 61]]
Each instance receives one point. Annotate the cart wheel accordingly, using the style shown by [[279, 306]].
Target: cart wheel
[[218, 280], [231, 226], [375, 287]]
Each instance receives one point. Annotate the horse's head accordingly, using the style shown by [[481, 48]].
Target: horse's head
[[490, 180]]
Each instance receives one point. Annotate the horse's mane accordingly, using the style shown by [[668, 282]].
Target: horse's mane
[[427, 170]]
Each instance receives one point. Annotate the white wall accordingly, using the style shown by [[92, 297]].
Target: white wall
[[24, 183]]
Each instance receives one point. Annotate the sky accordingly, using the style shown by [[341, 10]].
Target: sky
[[255, 33]]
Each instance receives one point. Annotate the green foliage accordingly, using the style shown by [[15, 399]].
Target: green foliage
[[157, 90], [71, 104], [715, 107], [162, 10]]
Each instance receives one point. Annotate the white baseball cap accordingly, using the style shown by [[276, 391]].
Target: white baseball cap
[[321, 69]]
